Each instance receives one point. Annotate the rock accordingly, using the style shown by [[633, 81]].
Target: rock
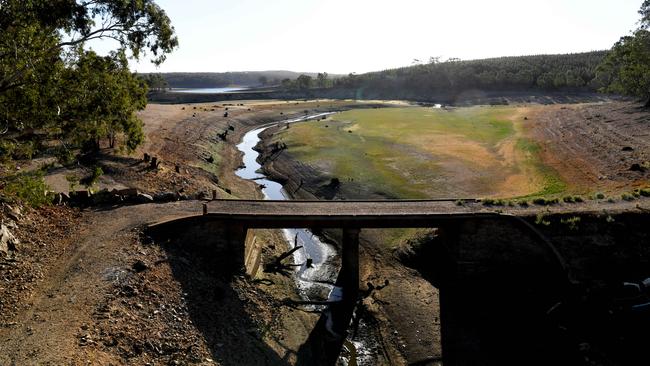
[[13, 212], [165, 197], [144, 198], [103, 197], [140, 266], [61, 198], [8, 242], [637, 168], [126, 192]]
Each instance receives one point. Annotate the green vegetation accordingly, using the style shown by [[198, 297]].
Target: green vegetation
[[28, 188], [52, 89], [248, 78], [626, 69], [423, 152], [526, 73], [540, 219], [571, 222]]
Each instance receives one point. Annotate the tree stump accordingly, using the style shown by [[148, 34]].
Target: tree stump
[[154, 162], [147, 157]]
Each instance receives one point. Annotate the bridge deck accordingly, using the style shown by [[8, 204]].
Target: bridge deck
[[360, 214]]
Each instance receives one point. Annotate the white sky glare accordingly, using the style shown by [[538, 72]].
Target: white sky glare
[[342, 36]]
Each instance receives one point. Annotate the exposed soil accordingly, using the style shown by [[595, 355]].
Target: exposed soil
[[595, 147]]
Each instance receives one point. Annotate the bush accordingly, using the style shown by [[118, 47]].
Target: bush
[[28, 188], [572, 222], [627, 197], [568, 199], [92, 179], [540, 219], [600, 196], [523, 203], [545, 201], [645, 192]]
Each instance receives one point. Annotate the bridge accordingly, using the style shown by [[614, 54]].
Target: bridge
[[477, 242]]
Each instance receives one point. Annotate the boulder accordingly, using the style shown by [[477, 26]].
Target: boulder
[[126, 192], [8, 242], [144, 198], [165, 197]]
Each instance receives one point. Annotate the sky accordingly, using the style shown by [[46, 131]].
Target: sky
[[343, 36]]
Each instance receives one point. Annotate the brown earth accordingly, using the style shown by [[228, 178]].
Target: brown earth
[[594, 146]]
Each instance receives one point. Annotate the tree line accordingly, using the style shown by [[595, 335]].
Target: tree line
[[570, 72], [224, 79]]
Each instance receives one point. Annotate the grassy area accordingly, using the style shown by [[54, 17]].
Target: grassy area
[[415, 152]]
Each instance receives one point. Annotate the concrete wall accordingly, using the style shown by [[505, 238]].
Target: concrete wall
[[229, 248]]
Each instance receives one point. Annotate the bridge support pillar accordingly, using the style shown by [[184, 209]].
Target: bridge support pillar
[[348, 281], [350, 265]]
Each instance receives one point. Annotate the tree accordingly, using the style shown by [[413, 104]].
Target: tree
[[263, 80], [626, 69], [321, 80], [49, 86], [103, 105], [39, 30], [304, 82]]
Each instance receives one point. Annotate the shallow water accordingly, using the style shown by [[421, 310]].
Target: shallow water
[[315, 283], [208, 90]]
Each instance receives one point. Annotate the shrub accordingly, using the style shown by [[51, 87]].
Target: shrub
[[29, 188], [600, 196], [645, 192], [627, 197], [578, 199], [92, 179], [545, 201], [568, 199], [540, 219], [571, 222], [523, 203]]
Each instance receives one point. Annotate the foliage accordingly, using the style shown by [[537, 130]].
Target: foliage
[[28, 188], [626, 69], [155, 82], [223, 79], [540, 72], [571, 222], [51, 88], [93, 178]]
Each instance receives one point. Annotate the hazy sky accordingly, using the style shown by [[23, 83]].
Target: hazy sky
[[342, 36]]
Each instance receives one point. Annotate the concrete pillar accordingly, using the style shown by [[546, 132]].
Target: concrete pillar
[[350, 264], [348, 280]]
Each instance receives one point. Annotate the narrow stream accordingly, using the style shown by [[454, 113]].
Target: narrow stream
[[315, 282]]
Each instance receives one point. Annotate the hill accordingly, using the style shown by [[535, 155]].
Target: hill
[[223, 79], [568, 72]]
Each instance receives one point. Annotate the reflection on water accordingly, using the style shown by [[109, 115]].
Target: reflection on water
[[314, 282], [208, 90]]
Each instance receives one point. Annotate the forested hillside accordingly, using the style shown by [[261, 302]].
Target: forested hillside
[[570, 72], [222, 79]]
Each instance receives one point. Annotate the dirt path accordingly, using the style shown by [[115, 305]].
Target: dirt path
[[62, 305]]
